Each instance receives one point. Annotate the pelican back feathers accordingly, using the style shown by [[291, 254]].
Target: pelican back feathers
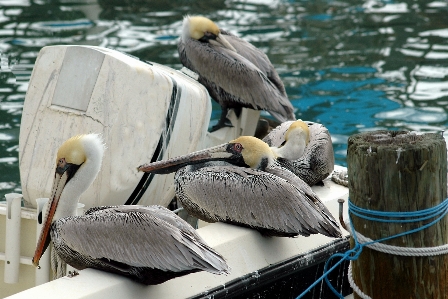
[[148, 244], [258, 199]]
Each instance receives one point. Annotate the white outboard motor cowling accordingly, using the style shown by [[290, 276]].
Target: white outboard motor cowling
[[144, 111]]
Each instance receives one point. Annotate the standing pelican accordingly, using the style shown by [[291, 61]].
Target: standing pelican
[[240, 182], [304, 148], [235, 73], [148, 244]]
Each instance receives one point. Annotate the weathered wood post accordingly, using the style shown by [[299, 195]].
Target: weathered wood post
[[399, 172]]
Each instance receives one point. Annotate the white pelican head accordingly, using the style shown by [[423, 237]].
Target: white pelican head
[[297, 138], [77, 164]]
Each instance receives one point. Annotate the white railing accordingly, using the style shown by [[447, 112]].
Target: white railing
[[14, 214], [12, 237]]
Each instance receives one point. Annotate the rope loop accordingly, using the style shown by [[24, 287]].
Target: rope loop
[[438, 211]]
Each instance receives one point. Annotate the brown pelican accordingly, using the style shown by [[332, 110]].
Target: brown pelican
[[235, 73], [304, 148], [148, 244], [240, 182]]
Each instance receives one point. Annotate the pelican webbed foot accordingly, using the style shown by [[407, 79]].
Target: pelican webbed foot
[[223, 121]]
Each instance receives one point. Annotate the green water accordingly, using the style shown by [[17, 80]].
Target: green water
[[351, 65]]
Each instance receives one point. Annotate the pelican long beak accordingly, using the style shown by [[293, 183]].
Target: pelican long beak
[[221, 152], [224, 42], [44, 239]]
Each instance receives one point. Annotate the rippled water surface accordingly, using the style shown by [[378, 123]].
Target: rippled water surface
[[351, 65]]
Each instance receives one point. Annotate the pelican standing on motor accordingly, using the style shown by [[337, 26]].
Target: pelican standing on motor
[[241, 182], [304, 148], [148, 244], [235, 73]]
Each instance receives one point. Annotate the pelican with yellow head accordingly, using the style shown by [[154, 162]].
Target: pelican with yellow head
[[148, 244], [235, 73], [242, 183]]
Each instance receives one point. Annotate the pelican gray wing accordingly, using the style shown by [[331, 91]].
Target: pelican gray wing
[[331, 225], [257, 57], [248, 87], [133, 239], [317, 161], [161, 212], [253, 198]]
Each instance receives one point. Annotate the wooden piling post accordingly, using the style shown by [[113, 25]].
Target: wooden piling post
[[399, 171]]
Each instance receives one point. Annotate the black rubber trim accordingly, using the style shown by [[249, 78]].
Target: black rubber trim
[[164, 140], [289, 278]]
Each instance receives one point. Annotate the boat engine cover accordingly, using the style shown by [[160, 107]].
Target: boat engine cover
[[144, 111]]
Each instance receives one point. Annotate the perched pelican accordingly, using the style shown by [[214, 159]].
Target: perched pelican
[[235, 73], [240, 182], [304, 148], [148, 244]]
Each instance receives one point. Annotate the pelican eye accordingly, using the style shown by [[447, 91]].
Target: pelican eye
[[238, 147], [62, 162], [207, 36], [62, 166]]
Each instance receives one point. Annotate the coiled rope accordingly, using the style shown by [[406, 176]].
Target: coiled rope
[[361, 241]]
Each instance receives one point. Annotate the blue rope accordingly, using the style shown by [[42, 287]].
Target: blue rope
[[417, 215], [438, 211]]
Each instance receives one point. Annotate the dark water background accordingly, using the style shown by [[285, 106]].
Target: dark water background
[[351, 65]]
